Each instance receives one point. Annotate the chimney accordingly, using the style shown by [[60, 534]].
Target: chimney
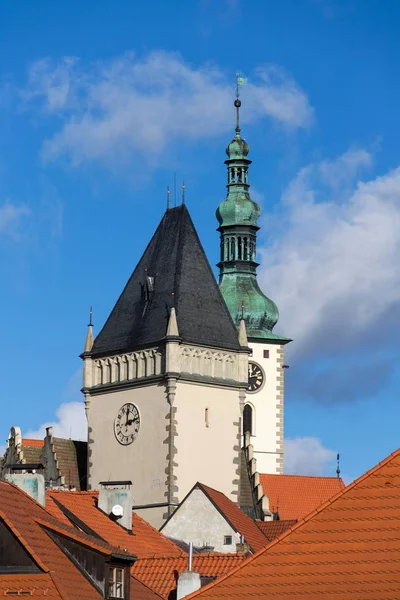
[[189, 581], [32, 483], [115, 499]]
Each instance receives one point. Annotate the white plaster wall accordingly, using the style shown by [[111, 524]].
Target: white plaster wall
[[144, 461], [266, 436], [198, 521], [207, 454]]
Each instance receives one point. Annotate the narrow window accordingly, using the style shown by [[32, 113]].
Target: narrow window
[[207, 417], [239, 176], [232, 248], [266, 353], [227, 540], [240, 248], [245, 251], [116, 583], [247, 419]]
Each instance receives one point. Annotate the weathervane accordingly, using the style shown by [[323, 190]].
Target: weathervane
[[239, 81]]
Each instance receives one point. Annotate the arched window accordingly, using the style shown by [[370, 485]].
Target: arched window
[[245, 249], [232, 248], [247, 419], [239, 248]]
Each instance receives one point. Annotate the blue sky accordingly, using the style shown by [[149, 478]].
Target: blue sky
[[101, 102]]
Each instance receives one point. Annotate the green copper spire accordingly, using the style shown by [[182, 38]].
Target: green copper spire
[[238, 224]]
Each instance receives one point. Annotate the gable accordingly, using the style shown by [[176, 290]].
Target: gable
[[199, 521], [14, 558]]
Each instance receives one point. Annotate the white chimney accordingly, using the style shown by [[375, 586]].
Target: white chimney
[[115, 499], [189, 581]]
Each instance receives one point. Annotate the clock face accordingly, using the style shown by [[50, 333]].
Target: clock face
[[126, 424], [256, 377]]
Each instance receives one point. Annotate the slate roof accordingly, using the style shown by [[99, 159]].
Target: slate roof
[[294, 496], [71, 456], [183, 278], [347, 548], [161, 573], [29, 523]]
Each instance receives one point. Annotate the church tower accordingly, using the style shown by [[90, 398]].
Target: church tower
[[165, 379], [238, 218]]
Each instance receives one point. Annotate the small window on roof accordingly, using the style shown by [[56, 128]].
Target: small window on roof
[[116, 583], [227, 540]]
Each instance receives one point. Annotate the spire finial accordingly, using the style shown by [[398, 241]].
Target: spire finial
[[89, 335], [168, 195], [183, 192], [338, 465], [239, 81], [90, 317]]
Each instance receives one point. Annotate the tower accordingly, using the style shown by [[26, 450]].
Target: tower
[[165, 379], [238, 218]]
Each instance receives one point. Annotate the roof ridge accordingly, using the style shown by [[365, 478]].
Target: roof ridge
[[333, 477], [334, 498]]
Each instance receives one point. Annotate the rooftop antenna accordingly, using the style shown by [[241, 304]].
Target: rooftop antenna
[[338, 465], [183, 192], [168, 195], [174, 188]]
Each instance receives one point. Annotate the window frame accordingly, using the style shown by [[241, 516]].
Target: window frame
[[111, 582], [226, 537]]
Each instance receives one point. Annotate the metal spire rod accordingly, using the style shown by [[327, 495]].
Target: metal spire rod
[[90, 317], [183, 192], [237, 103], [168, 194]]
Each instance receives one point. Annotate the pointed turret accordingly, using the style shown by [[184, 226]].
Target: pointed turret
[[89, 335], [238, 224], [242, 333], [172, 329]]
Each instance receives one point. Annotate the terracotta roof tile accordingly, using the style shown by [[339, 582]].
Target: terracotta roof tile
[[29, 522], [294, 496], [241, 522], [347, 548], [37, 584], [145, 541], [161, 574], [32, 443], [273, 529]]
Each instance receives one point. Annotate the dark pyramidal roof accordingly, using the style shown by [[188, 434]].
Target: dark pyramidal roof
[[173, 271]]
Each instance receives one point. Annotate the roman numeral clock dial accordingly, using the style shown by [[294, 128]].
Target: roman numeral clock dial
[[256, 377], [127, 424]]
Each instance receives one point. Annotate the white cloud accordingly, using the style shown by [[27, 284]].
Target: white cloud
[[70, 422], [11, 219], [332, 267], [307, 456], [139, 106]]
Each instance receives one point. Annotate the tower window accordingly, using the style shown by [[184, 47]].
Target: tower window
[[207, 417], [266, 353], [232, 248], [239, 248], [247, 419], [245, 250]]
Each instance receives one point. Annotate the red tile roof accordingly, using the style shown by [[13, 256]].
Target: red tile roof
[[238, 519], [273, 529], [161, 574], [145, 541], [347, 548], [32, 443], [37, 584], [29, 522], [294, 496]]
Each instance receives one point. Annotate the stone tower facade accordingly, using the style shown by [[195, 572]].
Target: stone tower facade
[[238, 218], [165, 379]]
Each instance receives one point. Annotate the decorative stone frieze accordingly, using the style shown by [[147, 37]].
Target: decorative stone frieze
[[126, 367]]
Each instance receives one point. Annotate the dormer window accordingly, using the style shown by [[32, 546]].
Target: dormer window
[[116, 577]]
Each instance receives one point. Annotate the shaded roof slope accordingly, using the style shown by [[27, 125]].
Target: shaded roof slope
[[161, 574], [347, 548], [145, 541], [294, 496], [182, 277], [238, 519]]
